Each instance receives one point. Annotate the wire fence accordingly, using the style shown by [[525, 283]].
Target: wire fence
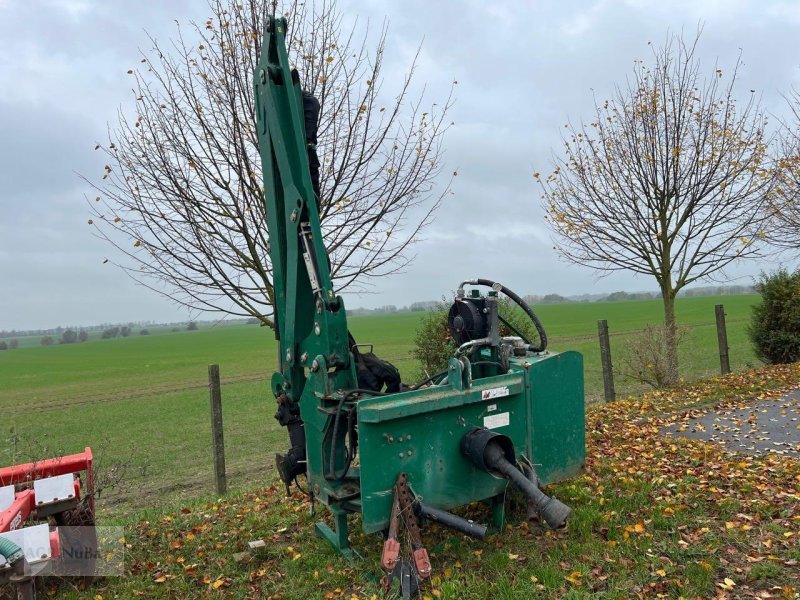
[[699, 354]]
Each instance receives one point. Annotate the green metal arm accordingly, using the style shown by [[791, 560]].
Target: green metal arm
[[310, 318]]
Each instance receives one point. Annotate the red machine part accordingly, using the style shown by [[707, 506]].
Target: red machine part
[[13, 517], [25, 502], [72, 463], [419, 552], [55, 544], [391, 547]]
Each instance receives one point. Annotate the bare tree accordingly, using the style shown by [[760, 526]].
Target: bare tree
[[784, 205], [666, 181], [181, 195]]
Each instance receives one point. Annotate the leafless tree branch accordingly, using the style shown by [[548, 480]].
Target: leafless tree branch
[[181, 196]]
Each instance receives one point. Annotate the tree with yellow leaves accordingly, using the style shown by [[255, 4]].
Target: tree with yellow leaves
[[783, 207], [667, 180]]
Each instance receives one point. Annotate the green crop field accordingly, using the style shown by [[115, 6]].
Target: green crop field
[[142, 403]]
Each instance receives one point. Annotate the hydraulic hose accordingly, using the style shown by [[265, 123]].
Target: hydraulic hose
[[333, 475], [416, 386], [521, 303], [450, 520], [10, 551], [351, 452], [472, 344]]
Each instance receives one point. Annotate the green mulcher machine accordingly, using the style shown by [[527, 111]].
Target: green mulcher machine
[[505, 411]]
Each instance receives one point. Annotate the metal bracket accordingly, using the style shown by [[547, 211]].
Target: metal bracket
[[409, 579], [338, 536], [391, 547], [54, 489], [406, 502]]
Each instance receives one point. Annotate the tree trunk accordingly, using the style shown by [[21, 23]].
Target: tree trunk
[[671, 337]]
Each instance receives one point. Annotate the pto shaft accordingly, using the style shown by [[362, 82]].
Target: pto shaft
[[494, 453]]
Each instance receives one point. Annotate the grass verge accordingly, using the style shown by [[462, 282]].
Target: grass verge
[[654, 517]]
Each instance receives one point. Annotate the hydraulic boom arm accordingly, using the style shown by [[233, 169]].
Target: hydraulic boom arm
[[310, 317], [311, 323]]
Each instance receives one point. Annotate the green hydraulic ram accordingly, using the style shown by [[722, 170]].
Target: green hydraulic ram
[[503, 407]]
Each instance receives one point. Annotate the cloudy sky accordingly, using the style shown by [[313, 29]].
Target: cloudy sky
[[523, 69]]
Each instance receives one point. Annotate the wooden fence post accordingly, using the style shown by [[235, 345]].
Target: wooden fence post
[[605, 358], [216, 429], [722, 339]]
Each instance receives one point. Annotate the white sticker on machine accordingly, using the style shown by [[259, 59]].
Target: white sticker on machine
[[497, 392], [495, 421]]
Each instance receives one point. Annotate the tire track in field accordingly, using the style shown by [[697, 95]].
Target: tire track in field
[[164, 490], [131, 394]]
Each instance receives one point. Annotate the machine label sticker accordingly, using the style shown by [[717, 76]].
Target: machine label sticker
[[491, 407], [495, 421], [498, 392]]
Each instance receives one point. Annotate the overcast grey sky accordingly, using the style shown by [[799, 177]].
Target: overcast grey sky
[[523, 69]]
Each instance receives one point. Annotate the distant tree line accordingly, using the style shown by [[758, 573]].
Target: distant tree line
[[547, 299], [71, 335], [431, 305], [725, 290], [68, 336], [113, 332], [57, 332], [622, 296]]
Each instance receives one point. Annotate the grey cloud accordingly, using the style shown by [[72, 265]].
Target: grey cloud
[[40, 152], [523, 70]]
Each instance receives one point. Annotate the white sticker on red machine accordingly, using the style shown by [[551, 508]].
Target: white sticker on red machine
[[497, 392], [498, 420]]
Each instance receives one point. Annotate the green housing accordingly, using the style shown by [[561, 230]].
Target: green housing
[[539, 405]]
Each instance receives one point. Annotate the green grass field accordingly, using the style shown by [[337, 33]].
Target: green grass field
[[142, 403], [654, 516]]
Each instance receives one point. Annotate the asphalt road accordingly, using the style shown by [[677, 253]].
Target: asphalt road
[[770, 426]]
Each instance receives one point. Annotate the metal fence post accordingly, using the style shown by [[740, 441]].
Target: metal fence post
[[216, 429], [605, 358], [722, 339]]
